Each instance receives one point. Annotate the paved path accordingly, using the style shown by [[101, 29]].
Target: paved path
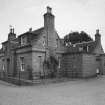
[[78, 92]]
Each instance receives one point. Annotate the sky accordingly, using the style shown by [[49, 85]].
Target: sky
[[70, 15]]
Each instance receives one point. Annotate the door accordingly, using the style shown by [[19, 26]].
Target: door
[[8, 65]]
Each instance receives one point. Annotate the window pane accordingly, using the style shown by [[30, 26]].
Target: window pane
[[22, 63]]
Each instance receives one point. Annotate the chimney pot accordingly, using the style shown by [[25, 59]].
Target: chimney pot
[[49, 9], [97, 31]]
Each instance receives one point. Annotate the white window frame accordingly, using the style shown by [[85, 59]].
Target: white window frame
[[56, 43], [59, 61], [87, 48], [3, 65], [23, 41], [22, 64]]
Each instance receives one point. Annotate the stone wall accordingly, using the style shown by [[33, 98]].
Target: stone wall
[[89, 65], [71, 65], [37, 62], [102, 64], [27, 62]]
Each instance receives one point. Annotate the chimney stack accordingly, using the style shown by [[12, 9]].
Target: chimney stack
[[49, 18], [97, 36], [49, 26], [11, 34]]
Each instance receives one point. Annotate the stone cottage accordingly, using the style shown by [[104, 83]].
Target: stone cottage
[[30, 53]]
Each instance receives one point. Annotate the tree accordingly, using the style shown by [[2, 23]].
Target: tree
[[76, 37]]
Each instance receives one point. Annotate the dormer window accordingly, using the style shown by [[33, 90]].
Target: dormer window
[[23, 41]]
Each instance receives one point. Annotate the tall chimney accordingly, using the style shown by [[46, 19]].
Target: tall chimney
[[49, 28], [49, 18]]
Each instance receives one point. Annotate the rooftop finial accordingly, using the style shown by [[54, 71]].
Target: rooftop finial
[[49, 9]]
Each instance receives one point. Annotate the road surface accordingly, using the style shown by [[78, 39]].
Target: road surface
[[76, 92]]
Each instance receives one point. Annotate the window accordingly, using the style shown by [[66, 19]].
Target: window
[[3, 66], [87, 48], [59, 61], [23, 41], [44, 43], [56, 42], [22, 65]]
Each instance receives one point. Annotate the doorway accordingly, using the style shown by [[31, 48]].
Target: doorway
[[8, 65]]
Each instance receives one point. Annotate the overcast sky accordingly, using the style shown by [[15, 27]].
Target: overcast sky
[[70, 15]]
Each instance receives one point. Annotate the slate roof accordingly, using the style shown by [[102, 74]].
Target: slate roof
[[38, 31], [35, 32]]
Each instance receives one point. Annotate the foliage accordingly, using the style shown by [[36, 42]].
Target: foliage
[[52, 64], [76, 37]]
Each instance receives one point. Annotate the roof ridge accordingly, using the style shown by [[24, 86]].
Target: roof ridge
[[38, 29], [84, 42]]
